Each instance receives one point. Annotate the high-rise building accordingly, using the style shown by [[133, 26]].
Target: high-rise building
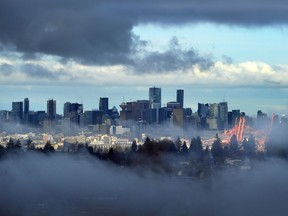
[[26, 111], [179, 117], [104, 104], [180, 97], [202, 110], [76, 107], [223, 115], [66, 109], [164, 114], [235, 115], [17, 111], [133, 110], [173, 105], [51, 109], [26, 105], [93, 117], [155, 97], [213, 110], [150, 115], [230, 125], [213, 116], [72, 111]]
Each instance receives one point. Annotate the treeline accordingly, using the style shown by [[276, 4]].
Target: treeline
[[167, 155], [15, 147]]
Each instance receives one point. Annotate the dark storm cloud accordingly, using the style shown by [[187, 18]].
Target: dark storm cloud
[[100, 31], [6, 69], [175, 58], [38, 71]]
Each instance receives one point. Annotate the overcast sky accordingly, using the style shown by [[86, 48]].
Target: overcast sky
[[78, 51]]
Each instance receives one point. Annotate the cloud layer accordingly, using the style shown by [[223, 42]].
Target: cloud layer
[[221, 73], [67, 185], [100, 32]]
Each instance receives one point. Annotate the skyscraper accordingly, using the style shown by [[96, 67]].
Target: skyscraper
[[26, 105], [223, 115], [104, 104], [180, 97], [26, 111], [179, 117], [66, 109], [17, 111], [51, 109], [155, 97]]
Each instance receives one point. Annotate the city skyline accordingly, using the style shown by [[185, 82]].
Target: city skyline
[[39, 103], [210, 51]]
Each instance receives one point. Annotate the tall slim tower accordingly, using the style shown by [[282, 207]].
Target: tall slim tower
[[104, 104], [51, 109], [26, 105], [180, 97], [223, 115], [155, 97], [26, 111], [66, 109]]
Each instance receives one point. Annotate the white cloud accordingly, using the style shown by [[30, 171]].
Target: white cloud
[[249, 73]]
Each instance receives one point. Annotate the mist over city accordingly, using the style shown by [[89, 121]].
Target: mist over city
[[143, 107]]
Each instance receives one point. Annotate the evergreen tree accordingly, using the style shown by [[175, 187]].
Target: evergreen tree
[[184, 148], [18, 144], [48, 147], [207, 157], [178, 144], [2, 151], [13, 147], [196, 148], [29, 144], [148, 147], [10, 143], [134, 146], [250, 146], [217, 150], [233, 146], [111, 155]]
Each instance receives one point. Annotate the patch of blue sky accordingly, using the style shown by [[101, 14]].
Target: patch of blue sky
[[267, 44]]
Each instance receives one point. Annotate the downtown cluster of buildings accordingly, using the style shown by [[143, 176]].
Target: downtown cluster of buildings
[[133, 116]]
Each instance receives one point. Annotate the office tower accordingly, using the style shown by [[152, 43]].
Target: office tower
[[164, 114], [173, 105], [26, 111], [155, 97], [179, 117], [180, 97], [93, 117], [104, 104], [235, 115], [66, 109], [26, 106], [76, 108], [213, 110], [213, 116], [223, 115], [51, 109], [202, 110], [72, 111], [17, 111], [133, 110], [150, 116], [230, 125]]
